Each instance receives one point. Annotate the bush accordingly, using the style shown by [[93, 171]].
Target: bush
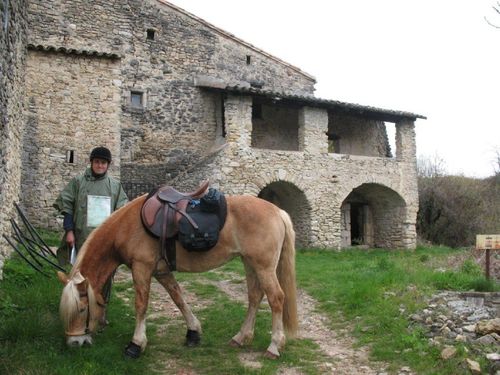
[[453, 209]]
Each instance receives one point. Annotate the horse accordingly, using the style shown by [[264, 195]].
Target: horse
[[257, 231]]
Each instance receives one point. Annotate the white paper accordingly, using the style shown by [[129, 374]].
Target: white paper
[[98, 209]]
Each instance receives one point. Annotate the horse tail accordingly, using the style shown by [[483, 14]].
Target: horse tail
[[286, 277]]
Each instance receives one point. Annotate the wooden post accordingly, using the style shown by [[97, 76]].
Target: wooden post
[[487, 242], [487, 265]]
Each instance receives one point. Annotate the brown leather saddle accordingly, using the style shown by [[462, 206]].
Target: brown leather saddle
[[161, 213]]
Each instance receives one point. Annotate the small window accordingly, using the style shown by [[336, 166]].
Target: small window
[[70, 156], [136, 99], [150, 34], [249, 59]]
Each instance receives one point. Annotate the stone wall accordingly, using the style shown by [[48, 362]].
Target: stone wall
[[359, 136], [325, 179], [12, 61], [276, 129], [162, 50], [124, 76], [73, 106]]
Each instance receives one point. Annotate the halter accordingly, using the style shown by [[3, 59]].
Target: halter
[[86, 331]]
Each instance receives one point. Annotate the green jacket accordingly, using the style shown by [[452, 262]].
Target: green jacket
[[73, 200]]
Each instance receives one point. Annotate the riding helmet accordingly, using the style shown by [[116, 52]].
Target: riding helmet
[[101, 153]]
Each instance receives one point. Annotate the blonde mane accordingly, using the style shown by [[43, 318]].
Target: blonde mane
[[69, 305]]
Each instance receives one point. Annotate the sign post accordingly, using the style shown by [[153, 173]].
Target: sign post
[[488, 242]]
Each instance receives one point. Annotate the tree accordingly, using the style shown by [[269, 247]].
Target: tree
[[496, 8], [431, 166]]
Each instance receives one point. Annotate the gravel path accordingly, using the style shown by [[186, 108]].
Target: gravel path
[[337, 346]]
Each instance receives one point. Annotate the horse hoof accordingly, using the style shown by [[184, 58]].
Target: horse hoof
[[192, 338], [270, 355], [133, 350], [234, 344]]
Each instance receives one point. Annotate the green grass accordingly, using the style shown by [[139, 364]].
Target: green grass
[[375, 291], [371, 292]]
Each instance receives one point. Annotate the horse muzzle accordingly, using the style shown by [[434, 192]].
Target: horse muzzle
[[78, 341]]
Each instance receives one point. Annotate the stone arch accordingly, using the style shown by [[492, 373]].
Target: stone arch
[[290, 198], [373, 215]]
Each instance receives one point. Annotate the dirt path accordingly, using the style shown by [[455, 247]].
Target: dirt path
[[337, 346]]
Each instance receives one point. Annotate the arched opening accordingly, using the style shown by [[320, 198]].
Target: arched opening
[[290, 198], [373, 215]]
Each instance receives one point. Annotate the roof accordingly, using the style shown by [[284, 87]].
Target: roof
[[343, 107], [236, 39], [73, 51]]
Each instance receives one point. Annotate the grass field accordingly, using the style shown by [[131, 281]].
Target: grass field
[[364, 290]]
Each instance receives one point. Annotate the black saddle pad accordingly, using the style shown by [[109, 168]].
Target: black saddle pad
[[210, 219]]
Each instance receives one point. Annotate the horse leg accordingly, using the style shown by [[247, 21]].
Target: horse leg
[[142, 283], [170, 284], [275, 296], [255, 295]]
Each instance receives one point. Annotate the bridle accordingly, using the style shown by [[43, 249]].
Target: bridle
[[84, 294]]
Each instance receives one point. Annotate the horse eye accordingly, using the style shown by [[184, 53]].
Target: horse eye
[[82, 310]]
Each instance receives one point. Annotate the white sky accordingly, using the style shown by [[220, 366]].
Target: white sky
[[438, 58]]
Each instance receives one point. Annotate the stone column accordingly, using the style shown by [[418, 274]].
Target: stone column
[[238, 121], [405, 140], [313, 125], [406, 153]]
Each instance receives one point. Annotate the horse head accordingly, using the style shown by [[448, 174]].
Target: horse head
[[80, 309]]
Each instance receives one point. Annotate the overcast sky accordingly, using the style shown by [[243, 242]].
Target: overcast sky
[[438, 58]]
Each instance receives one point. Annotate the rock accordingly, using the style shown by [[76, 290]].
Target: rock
[[484, 327], [470, 328], [473, 366], [486, 340], [448, 352], [461, 338], [442, 318], [416, 318], [493, 356]]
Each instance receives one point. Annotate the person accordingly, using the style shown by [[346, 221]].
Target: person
[[85, 202]]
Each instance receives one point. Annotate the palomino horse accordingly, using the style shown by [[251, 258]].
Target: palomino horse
[[256, 230]]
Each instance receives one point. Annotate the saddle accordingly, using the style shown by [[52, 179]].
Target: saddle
[[162, 212]]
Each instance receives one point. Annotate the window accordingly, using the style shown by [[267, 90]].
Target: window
[[136, 99], [150, 34], [70, 156], [249, 60]]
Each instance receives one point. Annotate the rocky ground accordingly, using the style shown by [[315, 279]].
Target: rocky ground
[[471, 319]]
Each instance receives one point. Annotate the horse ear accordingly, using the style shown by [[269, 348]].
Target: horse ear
[[62, 277]]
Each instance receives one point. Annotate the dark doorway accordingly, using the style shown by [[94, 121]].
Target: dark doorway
[[290, 198], [357, 224]]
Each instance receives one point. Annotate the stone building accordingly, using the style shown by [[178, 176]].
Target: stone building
[[178, 100], [13, 39]]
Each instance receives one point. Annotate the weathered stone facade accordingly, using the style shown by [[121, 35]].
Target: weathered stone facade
[[12, 60], [178, 100], [73, 106], [312, 184]]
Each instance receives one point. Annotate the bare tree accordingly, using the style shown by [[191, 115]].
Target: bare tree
[[496, 8], [496, 163], [431, 166]]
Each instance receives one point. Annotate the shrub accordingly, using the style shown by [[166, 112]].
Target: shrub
[[453, 209]]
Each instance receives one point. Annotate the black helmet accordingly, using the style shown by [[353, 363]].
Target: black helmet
[[101, 153]]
